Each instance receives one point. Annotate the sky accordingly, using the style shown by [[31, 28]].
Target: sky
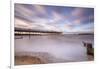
[[54, 18]]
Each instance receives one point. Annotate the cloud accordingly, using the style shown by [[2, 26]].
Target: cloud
[[83, 15], [86, 28], [38, 17], [78, 12], [77, 21], [22, 24], [39, 25], [23, 11], [39, 9], [91, 17], [56, 17], [70, 27]]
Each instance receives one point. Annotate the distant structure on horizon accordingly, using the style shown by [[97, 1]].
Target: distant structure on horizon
[[21, 31]]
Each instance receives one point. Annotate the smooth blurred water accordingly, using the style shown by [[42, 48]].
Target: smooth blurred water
[[67, 46]]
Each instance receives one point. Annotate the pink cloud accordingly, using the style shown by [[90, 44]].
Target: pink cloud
[[77, 21], [77, 12], [40, 9]]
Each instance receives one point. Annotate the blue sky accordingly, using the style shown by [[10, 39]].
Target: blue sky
[[54, 18]]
